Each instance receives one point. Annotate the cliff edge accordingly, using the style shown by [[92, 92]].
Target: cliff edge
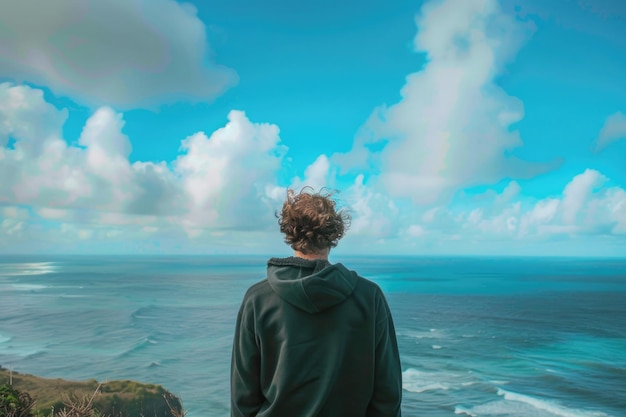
[[113, 398]]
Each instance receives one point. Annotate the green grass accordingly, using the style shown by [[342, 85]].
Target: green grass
[[114, 398]]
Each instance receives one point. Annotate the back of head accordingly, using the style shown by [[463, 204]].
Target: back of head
[[311, 222]]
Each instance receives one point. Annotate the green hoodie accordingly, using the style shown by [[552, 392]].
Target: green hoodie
[[314, 339]]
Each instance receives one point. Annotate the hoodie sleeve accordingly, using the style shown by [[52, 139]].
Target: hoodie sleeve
[[246, 396], [387, 394]]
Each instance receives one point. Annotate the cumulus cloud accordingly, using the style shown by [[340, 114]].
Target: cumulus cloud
[[14, 212], [374, 214], [614, 129], [577, 192], [217, 182], [611, 208], [415, 230], [226, 175], [25, 114], [586, 210], [123, 53], [542, 213], [12, 228], [454, 124], [511, 191], [317, 175], [585, 206]]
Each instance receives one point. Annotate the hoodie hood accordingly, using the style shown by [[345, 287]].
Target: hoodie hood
[[311, 285]]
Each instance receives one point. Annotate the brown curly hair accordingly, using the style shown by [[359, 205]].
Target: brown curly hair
[[310, 221]]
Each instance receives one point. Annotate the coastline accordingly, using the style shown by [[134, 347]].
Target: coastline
[[123, 398]]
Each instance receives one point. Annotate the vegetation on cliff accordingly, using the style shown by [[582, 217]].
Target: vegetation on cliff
[[31, 396]]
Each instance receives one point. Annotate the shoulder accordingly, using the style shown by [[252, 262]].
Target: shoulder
[[366, 286], [259, 290], [254, 298], [367, 289], [371, 291]]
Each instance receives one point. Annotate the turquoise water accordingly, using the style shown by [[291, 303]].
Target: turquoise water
[[493, 337]]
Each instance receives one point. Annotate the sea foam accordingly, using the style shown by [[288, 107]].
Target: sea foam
[[26, 287], [520, 405], [414, 380], [551, 407], [27, 268]]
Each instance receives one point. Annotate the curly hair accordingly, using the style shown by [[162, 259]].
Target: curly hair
[[310, 221]]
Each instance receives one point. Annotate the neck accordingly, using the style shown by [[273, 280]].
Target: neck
[[313, 256]]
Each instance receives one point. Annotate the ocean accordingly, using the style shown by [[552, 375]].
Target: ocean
[[483, 337]]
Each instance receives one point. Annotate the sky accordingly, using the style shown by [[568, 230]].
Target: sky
[[448, 127]]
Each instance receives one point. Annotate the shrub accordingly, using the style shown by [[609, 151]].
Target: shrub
[[14, 403]]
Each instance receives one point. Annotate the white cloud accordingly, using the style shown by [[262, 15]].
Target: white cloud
[[608, 213], [511, 191], [226, 176], [316, 175], [585, 207], [14, 212], [13, 224], [578, 192], [504, 223], [26, 115], [12, 227], [122, 219], [508, 222], [373, 214], [107, 151], [543, 212], [614, 129], [102, 133], [439, 218], [415, 230], [54, 213], [453, 126], [124, 53], [217, 182]]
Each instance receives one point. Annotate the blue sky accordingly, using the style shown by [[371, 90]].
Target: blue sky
[[450, 127]]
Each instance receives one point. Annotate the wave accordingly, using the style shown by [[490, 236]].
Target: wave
[[417, 381], [520, 405], [137, 347], [23, 352], [498, 382], [28, 268], [549, 406], [143, 313], [27, 287], [35, 354], [463, 410], [424, 334]]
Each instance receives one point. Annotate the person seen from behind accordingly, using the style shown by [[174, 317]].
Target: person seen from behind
[[314, 338]]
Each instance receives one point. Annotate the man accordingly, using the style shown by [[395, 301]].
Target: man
[[314, 338]]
